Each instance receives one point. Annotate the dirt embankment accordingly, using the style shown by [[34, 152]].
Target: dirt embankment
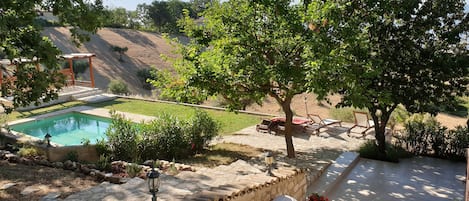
[[144, 51]]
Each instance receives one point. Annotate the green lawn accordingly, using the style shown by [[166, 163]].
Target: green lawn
[[230, 121]]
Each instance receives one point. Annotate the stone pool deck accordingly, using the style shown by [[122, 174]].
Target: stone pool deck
[[314, 154]]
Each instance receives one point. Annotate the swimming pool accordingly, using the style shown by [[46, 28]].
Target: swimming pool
[[67, 129]]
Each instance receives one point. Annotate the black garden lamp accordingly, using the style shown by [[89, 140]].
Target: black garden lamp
[[269, 161], [47, 139], [153, 182]]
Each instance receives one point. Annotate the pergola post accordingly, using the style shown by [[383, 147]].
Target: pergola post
[[70, 64], [91, 72]]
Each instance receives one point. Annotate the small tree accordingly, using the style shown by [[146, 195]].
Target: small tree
[[120, 50]]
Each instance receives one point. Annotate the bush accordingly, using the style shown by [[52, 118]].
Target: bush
[[458, 142], [146, 74], [123, 138], [425, 136], [72, 156], [29, 152], [104, 163], [133, 169], [202, 129], [369, 150], [167, 137], [118, 87]]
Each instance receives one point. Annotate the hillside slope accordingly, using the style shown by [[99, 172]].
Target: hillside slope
[[144, 50]]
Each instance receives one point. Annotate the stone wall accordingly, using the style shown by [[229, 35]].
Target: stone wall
[[293, 185], [85, 153]]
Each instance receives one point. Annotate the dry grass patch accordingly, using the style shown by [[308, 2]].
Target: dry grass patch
[[223, 154]]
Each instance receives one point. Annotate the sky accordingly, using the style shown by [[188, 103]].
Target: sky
[[132, 4]]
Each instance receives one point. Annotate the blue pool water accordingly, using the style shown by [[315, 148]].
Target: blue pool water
[[67, 129]]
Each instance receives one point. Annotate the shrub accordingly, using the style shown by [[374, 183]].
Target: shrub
[[425, 136], [458, 142], [104, 163], [118, 87], [102, 148], [146, 74], [202, 129], [72, 156], [369, 150], [171, 139], [29, 152], [123, 138], [133, 169]]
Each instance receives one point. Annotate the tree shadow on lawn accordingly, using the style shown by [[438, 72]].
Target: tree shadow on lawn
[[223, 154]]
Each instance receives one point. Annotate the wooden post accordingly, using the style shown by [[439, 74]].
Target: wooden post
[[70, 64], [467, 176], [91, 71]]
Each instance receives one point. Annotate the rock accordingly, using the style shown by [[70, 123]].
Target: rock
[[85, 170], [91, 166], [149, 163], [69, 165], [12, 158], [50, 196], [7, 185], [3, 153], [59, 165], [100, 175], [26, 161], [28, 190], [114, 179], [44, 162]]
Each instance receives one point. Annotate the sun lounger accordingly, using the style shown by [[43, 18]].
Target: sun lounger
[[318, 122], [362, 120]]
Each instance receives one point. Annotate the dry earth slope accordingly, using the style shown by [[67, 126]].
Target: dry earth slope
[[144, 50]]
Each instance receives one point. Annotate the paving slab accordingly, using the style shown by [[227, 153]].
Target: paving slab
[[415, 179]]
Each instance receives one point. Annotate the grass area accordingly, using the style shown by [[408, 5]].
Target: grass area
[[230, 121], [222, 154], [18, 115]]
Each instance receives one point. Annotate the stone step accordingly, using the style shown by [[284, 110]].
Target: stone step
[[82, 94], [334, 173], [95, 98]]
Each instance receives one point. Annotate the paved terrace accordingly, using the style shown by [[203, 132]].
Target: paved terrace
[[314, 153]]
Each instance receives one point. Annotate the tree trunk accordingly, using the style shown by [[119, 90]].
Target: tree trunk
[[288, 128], [380, 128]]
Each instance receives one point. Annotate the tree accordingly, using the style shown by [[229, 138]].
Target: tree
[[165, 14], [20, 37], [248, 49], [393, 52], [120, 50]]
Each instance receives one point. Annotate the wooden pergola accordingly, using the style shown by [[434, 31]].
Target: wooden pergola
[[11, 65], [77, 56]]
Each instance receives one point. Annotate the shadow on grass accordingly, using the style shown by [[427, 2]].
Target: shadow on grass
[[223, 154]]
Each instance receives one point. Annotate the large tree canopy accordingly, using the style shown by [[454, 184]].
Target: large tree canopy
[[391, 52], [247, 49], [20, 37]]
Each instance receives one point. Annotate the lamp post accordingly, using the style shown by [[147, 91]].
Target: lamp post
[[269, 161], [47, 139], [153, 182]]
